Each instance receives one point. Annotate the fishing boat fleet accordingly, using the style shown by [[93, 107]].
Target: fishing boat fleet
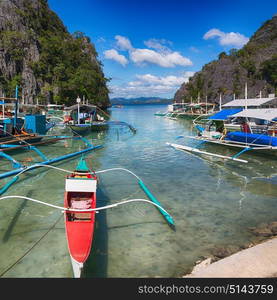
[[27, 131], [190, 110], [244, 124]]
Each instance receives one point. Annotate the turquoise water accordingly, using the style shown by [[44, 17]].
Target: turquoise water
[[212, 202]]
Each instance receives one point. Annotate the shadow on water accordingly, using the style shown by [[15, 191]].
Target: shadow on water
[[15, 218], [96, 265]]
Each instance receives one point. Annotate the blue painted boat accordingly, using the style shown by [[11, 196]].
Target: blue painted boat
[[251, 138]]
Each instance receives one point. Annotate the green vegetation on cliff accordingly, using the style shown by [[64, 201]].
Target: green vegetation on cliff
[[255, 63], [50, 64]]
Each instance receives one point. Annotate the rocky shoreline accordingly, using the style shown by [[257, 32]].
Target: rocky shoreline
[[262, 233]]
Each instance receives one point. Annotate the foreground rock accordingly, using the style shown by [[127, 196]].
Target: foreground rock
[[259, 261]]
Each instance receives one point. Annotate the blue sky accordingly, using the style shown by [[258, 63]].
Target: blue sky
[[149, 47]]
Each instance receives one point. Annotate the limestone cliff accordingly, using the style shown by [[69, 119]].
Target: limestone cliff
[[49, 64], [255, 63]]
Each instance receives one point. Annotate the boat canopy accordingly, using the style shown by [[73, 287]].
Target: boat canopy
[[256, 102], [80, 185], [55, 105], [81, 106], [269, 114], [224, 114], [201, 104]]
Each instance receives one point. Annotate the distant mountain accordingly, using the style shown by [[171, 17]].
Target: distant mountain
[[255, 63], [140, 101]]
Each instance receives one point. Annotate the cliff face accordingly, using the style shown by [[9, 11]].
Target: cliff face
[[48, 63], [255, 63]]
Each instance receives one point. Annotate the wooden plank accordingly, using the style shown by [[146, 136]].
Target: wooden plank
[[18, 138], [37, 143], [7, 98]]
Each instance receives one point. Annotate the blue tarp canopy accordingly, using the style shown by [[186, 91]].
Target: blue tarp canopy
[[225, 114]]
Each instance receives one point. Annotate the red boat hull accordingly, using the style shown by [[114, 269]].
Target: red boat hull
[[79, 225]]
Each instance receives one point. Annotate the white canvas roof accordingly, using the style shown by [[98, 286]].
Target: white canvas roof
[[268, 114], [248, 102]]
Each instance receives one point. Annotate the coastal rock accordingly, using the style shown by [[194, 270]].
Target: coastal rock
[[222, 252], [263, 232], [273, 227], [200, 266]]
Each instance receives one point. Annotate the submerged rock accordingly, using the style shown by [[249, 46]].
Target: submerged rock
[[262, 232], [273, 227], [265, 230], [222, 252]]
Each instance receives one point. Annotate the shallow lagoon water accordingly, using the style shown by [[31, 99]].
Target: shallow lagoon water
[[212, 202]]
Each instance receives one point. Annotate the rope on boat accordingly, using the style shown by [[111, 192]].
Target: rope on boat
[[153, 201], [84, 210], [78, 173], [118, 169]]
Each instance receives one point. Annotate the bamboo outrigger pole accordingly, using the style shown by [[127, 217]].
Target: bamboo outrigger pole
[[195, 150], [49, 161]]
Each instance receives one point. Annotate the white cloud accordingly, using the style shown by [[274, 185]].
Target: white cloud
[[141, 91], [151, 85], [158, 44], [123, 43], [170, 80], [227, 39], [161, 56], [114, 55], [167, 60]]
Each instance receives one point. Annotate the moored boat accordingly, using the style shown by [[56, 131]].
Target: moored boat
[[256, 130], [84, 118], [80, 197], [159, 113], [88, 127]]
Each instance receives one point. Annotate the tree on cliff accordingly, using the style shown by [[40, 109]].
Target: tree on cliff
[[50, 65], [255, 63]]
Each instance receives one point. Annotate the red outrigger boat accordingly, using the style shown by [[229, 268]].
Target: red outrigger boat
[[80, 195]]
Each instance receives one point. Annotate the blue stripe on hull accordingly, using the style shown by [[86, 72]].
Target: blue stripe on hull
[[251, 138]]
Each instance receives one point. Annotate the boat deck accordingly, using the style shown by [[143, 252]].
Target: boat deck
[[81, 199]]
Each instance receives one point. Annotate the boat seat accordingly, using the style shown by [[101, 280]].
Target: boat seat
[[82, 216], [81, 204]]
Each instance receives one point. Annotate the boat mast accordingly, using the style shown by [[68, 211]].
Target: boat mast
[[220, 102], [246, 95], [78, 100], [16, 106], [3, 106]]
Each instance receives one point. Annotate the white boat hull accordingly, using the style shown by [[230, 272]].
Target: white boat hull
[[77, 267]]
